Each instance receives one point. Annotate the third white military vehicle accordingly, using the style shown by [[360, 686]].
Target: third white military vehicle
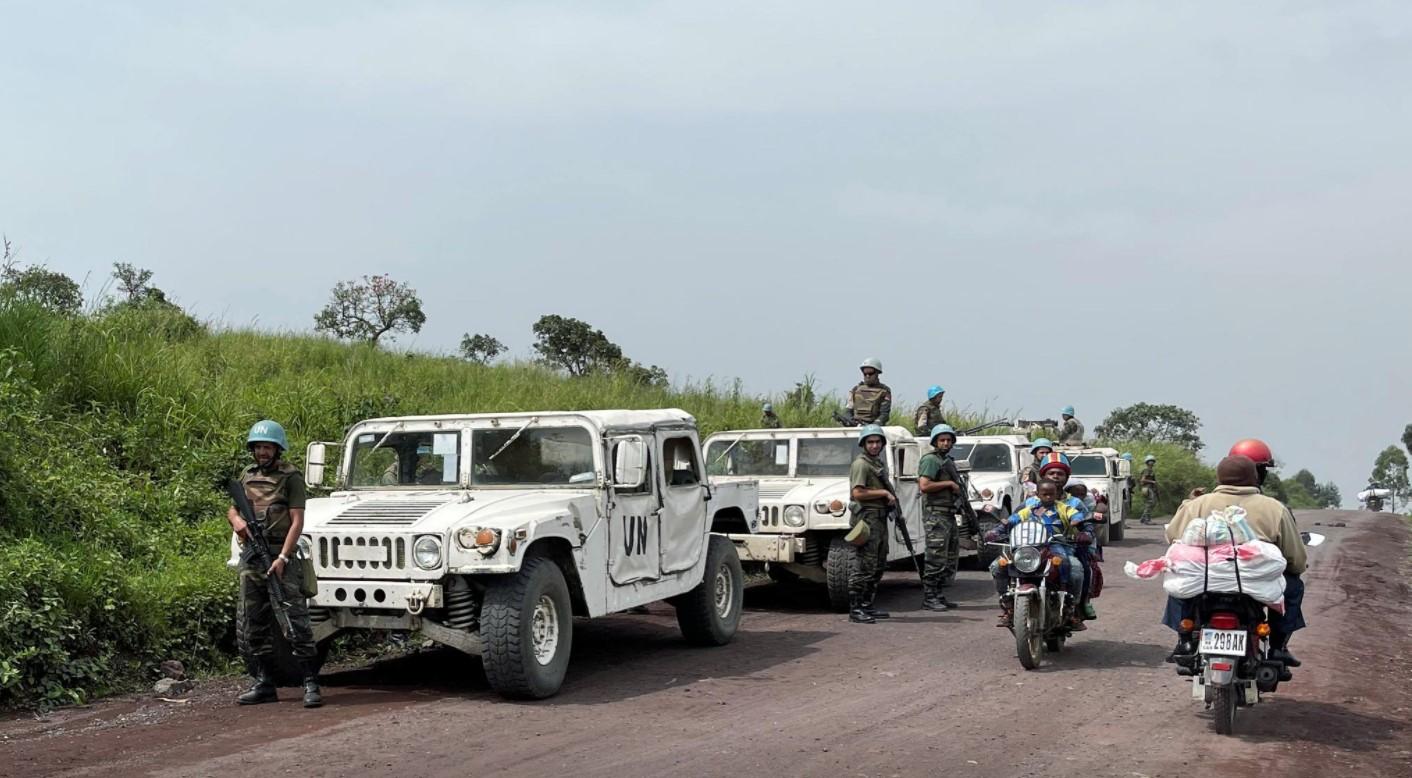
[[1105, 473], [804, 496], [489, 533]]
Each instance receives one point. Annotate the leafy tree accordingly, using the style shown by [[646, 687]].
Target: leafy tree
[[646, 375], [1328, 495], [145, 307], [574, 345], [369, 309], [1162, 423], [1390, 471], [1407, 438], [135, 282], [802, 396], [480, 348], [53, 290]]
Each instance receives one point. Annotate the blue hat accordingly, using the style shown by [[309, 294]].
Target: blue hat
[[1067, 410], [934, 391], [267, 431]]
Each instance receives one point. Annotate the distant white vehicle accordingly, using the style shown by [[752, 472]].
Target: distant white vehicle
[[804, 497], [489, 533], [1105, 473], [994, 463]]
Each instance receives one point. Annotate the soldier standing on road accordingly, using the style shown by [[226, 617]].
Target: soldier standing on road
[[870, 402], [1071, 430], [768, 419], [1148, 484], [275, 489], [940, 483], [872, 495], [928, 414]]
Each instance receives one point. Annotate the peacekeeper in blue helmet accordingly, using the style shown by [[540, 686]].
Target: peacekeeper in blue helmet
[[928, 414], [275, 489], [872, 495]]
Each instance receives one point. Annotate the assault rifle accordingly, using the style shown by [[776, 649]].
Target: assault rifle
[[846, 421], [986, 426], [256, 555], [1029, 424], [894, 514]]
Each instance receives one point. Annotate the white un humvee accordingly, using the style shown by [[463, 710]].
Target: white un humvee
[[490, 532]]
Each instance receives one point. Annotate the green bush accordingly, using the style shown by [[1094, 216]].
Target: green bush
[[1178, 472]]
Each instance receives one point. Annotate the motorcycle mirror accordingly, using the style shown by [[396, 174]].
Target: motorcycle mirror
[[1311, 539]]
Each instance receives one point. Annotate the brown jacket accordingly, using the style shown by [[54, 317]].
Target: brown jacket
[[1268, 517]]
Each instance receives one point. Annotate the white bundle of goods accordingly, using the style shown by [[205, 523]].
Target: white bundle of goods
[[1219, 554]]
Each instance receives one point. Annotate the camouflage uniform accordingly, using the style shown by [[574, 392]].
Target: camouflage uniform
[[1148, 484], [870, 404], [870, 559], [939, 519], [1071, 432], [769, 421], [273, 493], [926, 417]]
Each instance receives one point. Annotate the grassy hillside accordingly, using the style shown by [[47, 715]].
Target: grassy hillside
[[116, 430]]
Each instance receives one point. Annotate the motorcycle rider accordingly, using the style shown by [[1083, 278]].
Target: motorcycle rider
[[1060, 520], [1271, 521], [928, 414]]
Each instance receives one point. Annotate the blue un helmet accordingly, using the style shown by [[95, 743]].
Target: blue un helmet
[[1128, 456], [943, 429], [934, 391], [1041, 443], [267, 431], [1149, 458], [1067, 410], [767, 408], [869, 431]]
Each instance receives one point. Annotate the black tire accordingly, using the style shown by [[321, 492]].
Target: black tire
[[837, 568], [1115, 531], [527, 626], [1029, 644], [1224, 710], [710, 613]]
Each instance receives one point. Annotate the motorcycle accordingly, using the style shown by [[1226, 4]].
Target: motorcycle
[[1042, 605], [1232, 667]]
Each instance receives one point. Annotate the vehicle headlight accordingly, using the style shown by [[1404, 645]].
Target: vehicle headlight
[[986, 493], [306, 546], [482, 539], [835, 507], [1026, 559], [426, 552], [794, 515]]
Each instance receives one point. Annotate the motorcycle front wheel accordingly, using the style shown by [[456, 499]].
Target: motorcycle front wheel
[[1029, 643]]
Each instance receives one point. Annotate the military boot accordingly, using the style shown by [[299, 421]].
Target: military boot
[[856, 614], [932, 599], [312, 697], [263, 689], [867, 605]]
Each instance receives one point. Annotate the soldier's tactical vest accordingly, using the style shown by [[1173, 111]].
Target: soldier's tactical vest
[[928, 416], [867, 401], [944, 500], [877, 479], [269, 496]]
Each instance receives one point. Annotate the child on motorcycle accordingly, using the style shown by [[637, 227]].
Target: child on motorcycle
[[1062, 522]]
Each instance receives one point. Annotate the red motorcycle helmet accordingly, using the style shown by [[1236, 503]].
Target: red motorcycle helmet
[[1256, 450]]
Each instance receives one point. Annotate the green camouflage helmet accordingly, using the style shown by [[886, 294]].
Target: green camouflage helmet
[[868, 432], [267, 431], [858, 536]]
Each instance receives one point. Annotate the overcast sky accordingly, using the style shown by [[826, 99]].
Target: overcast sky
[[1031, 204]]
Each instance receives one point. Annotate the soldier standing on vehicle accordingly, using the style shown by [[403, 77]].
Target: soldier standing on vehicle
[[928, 414], [1071, 430], [275, 489], [870, 402], [940, 483], [1148, 484], [768, 419], [872, 497]]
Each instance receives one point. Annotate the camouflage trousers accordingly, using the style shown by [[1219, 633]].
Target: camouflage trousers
[[1149, 499], [943, 547], [255, 617], [869, 559]]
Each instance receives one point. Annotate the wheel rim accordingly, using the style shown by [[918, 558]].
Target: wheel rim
[[724, 591], [544, 630]]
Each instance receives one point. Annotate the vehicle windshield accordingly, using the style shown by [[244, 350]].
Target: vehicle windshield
[[530, 456], [425, 458], [733, 456], [985, 457], [1088, 465], [826, 457]]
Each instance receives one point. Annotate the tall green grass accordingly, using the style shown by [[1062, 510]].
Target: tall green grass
[[118, 427]]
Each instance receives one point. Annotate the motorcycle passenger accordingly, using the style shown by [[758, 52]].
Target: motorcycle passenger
[[1039, 449], [1089, 555], [1055, 467], [1271, 522], [1062, 522], [872, 497]]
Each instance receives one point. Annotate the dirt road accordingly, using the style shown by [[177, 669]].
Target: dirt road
[[802, 692]]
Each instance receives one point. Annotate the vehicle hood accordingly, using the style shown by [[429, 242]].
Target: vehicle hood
[[802, 491], [441, 511]]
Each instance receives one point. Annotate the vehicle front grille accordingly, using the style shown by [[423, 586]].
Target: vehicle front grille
[[386, 512], [769, 516], [342, 553]]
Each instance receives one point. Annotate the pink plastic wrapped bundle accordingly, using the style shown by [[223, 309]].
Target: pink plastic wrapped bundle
[[1255, 568]]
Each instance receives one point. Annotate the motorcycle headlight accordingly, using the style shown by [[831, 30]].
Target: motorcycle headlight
[[794, 515], [426, 552], [1027, 559]]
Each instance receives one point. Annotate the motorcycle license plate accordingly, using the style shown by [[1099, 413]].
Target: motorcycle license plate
[[1223, 642]]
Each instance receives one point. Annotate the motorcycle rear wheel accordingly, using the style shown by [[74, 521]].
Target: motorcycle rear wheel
[[1029, 643], [1224, 710]]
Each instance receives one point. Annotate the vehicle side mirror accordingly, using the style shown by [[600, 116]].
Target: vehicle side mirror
[[314, 460], [630, 463], [1125, 468]]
